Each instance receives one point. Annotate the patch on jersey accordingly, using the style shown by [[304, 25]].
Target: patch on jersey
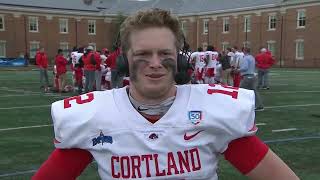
[[101, 139], [195, 117]]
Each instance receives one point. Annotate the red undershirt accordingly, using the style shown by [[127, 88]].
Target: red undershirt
[[67, 164]]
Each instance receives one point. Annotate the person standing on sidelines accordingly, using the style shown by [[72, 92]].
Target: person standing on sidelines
[[264, 62], [42, 62], [111, 62], [98, 73], [226, 67], [89, 63], [248, 81], [237, 57], [61, 65], [198, 58]]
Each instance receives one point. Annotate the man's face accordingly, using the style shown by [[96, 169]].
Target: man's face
[[152, 61]]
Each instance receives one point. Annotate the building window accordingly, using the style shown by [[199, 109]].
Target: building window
[[272, 22], [63, 24], [301, 18], [300, 49], [33, 24], [271, 46], [93, 45], [2, 49], [226, 25], [65, 48], [91, 27], [183, 27], [247, 24], [205, 26], [34, 46], [225, 45], [246, 44], [2, 23]]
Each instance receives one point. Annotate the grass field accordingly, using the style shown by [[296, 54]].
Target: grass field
[[292, 103]]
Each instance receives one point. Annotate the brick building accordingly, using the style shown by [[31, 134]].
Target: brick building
[[287, 27]]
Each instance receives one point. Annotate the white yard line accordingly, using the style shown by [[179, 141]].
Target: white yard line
[[291, 139], [18, 173], [287, 92], [261, 124], [25, 107], [284, 130], [25, 127], [291, 105], [18, 95]]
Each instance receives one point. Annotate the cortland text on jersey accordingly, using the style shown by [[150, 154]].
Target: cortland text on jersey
[[148, 165]]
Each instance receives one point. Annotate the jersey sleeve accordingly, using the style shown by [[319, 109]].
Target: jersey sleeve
[[72, 119]]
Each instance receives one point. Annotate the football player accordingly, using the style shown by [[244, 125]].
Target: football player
[[154, 129]]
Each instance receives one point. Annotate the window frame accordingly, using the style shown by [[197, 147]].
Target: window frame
[[273, 43], [92, 22], [205, 26], [30, 18], [247, 23], [301, 18], [37, 43], [3, 23], [183, 27], [226, 23], [66, 21], [270, 18], [4, 43], [225, 45], [64, 50], [298, 55]]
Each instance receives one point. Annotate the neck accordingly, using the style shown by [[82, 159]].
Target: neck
[[152, 100]]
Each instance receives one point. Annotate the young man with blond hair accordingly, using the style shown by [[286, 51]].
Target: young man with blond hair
[[153, 128]]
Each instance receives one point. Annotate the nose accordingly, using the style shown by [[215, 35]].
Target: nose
[[155, 61]]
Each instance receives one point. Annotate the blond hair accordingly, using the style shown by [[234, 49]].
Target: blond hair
[[150, 18]]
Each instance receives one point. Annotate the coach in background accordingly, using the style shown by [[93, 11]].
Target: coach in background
[[264, 62], [42, 62], [61, 65], [248, 81]]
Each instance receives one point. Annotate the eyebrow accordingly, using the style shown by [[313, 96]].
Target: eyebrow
[[138, 52]]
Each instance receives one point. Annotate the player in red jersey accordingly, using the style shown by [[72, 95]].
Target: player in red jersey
[[155, 129]]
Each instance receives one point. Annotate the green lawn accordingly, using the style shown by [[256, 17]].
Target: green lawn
[[292, 102]]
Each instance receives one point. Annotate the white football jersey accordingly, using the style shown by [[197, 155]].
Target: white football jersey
[[75, 56], [212, 61], [199, 59], [184, 144]]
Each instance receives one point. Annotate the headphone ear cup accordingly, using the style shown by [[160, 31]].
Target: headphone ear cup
[[122, 64]]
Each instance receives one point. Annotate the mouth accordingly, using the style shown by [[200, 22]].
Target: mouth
[[155, 76]]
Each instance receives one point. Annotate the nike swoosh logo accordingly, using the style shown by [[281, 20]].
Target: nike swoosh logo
[[188, 137]]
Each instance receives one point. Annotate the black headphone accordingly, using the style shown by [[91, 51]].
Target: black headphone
[[181, 77]]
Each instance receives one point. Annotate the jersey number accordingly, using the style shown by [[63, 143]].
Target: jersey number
[[232, 93], [78, 100]]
